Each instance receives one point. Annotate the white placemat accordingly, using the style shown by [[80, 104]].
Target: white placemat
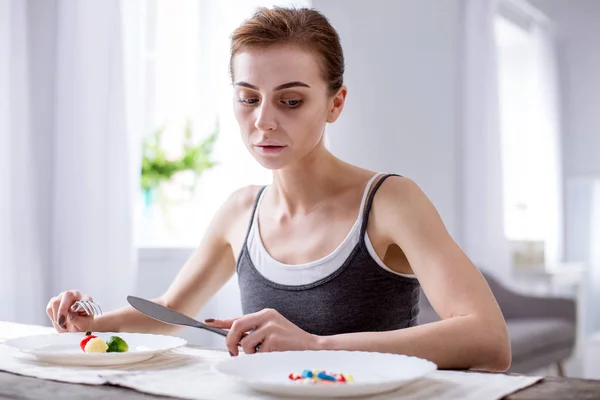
[[10, 330], [186, 373]]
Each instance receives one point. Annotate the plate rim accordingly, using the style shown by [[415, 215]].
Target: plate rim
[[10, 343], [432, 367]]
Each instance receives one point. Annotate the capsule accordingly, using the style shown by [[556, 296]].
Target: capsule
[[307, 373], [326, 377]]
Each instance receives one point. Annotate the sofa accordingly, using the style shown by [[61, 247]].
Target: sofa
[[542, 330]]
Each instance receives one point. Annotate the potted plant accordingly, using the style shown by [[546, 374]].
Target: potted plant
[[158, 167]]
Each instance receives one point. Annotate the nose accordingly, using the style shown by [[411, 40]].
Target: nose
[[266, 119]]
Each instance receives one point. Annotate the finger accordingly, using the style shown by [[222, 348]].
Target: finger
[[235, 335], [264, 347], [76, 308], [220, 323], [67, 300], [242, 326], [50, 309], [55, 305], [79, 323], [251, 341], [70, 325]]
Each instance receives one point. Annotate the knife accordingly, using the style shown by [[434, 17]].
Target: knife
[[168, 315]]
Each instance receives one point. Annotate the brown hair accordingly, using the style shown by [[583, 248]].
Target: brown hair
[[303, 27]]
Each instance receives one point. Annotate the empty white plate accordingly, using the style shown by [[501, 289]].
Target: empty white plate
[[63, 348], [373, 373]]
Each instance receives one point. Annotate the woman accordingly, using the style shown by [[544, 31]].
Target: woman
[[329, 256]]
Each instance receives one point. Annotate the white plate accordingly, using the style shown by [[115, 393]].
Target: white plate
[[63, 348], [372, 372]]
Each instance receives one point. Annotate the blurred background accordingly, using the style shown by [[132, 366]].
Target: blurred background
[[118, 144]]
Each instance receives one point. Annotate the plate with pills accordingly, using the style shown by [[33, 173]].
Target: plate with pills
[[326, 373]]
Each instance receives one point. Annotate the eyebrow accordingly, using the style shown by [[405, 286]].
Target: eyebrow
[[280, 87]]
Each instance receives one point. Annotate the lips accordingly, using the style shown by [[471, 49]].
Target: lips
[[269, 143], [269, 147]]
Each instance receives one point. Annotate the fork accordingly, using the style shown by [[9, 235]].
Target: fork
[[88, 306]]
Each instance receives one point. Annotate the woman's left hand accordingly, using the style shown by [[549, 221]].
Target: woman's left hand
[[264, 331]]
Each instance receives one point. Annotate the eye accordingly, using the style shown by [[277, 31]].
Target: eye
[[292, 103], [248, 102]]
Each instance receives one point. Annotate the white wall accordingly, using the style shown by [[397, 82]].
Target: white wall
[[583, 243], [402, 60], [578, 29], [577, 24]]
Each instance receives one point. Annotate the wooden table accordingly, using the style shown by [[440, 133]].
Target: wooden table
[[22, 387]]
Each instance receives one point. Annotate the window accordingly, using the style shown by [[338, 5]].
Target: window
[[186, 57], [530, 136]]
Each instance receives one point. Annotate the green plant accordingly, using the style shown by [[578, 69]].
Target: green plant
[[158, 168]]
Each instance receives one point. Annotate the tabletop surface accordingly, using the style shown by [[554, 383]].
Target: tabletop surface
[[22, 387]]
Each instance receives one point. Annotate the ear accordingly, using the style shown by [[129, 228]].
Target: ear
[[337, 104]]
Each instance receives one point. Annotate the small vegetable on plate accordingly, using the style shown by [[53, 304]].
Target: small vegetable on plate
[[86, 339], [95, 345], [117, 345]]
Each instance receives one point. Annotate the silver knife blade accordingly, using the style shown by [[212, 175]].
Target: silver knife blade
[[168, 315]]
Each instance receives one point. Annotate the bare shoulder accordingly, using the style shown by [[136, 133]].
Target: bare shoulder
[[400, 194], [243, 199], [401, 205], [235, 213], [239, 203]]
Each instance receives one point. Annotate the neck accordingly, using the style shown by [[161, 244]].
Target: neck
[[300, 187]]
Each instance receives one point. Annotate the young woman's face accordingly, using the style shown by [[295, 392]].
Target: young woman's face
[[281, 103]]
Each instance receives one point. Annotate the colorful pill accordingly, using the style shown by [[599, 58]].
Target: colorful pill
[[326, 377], [317, 377], [307, 373]]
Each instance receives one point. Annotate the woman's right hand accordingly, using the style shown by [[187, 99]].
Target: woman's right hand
[[60, 311]]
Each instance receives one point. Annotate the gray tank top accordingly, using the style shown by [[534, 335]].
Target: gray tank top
[[359, 296]]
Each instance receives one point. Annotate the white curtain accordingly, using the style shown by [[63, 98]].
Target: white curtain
[[547, 125], [582, 246], [21, 254], [483, 230], [6, 295], [592, 283], [67, 177]]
